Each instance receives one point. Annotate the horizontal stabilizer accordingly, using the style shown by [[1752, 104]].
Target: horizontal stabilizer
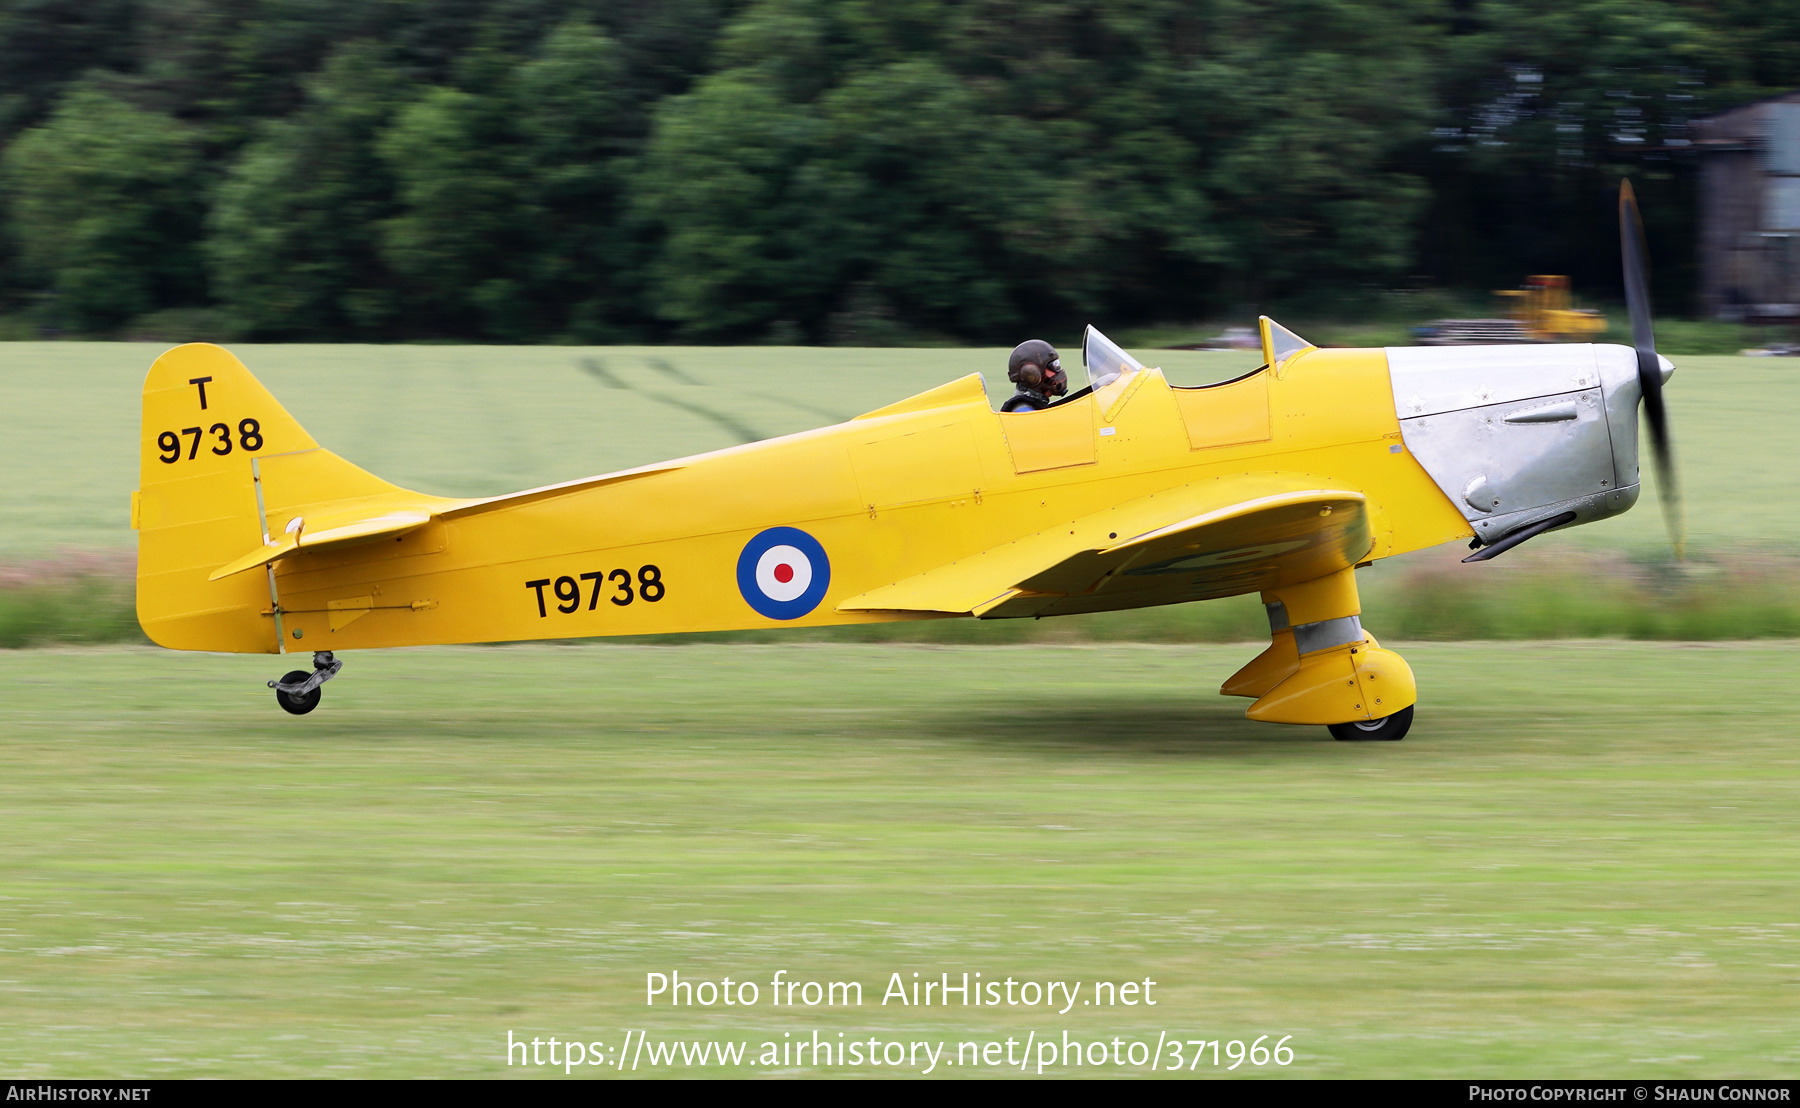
[[387, 515], [348, 534]]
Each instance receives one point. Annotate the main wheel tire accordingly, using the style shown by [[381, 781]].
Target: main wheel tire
[[297, 705], [1386, 729]]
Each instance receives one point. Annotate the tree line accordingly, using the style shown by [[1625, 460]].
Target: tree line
[[811, 170]]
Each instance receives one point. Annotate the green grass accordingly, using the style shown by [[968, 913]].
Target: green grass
[[1685, 337], [1580, 863]]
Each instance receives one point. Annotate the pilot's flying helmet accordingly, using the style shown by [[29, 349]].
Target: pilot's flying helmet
[[1035, 365]]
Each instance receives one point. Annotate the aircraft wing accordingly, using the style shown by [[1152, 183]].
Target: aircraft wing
[[1196, 542]]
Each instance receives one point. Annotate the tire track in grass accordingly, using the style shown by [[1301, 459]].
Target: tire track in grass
[[680, 376], [730, 424]]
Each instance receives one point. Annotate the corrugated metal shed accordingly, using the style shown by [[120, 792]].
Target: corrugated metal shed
[[1750, 210]]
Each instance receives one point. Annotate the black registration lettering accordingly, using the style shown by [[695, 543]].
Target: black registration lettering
[[647, 585], [596, 577], [569, 593], [249, 436], [539, 586]]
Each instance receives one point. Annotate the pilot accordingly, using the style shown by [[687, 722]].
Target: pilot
[[1037, 371]]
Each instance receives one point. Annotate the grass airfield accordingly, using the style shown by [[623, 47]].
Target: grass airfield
[[1562, 872], [1579, 864]]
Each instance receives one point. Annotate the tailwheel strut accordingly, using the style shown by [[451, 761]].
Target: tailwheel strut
[[298, 691]]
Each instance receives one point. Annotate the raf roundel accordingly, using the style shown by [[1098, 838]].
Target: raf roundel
[[783, 573]]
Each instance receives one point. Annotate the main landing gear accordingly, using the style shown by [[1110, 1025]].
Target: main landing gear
[[1321, 667], [1387, 729], [298, 692]]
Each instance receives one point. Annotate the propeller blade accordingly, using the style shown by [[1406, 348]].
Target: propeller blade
[[1634, 253]]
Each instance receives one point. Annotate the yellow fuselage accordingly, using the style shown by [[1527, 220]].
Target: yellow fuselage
[[888, 495]]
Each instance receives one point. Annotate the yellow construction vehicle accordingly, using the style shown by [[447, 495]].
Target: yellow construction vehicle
[[1543, 308], [1538, 312]]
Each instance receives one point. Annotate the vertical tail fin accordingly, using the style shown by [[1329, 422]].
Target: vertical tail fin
[[208, 427]]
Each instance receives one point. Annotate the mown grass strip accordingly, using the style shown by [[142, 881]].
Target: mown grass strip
[[1580, 862]]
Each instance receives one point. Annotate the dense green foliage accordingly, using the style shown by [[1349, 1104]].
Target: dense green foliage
[[834, 170]]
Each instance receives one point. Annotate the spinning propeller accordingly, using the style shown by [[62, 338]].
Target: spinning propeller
[[1650, 374]]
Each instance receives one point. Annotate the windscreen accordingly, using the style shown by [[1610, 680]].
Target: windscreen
[[1279, 343], [1105, 359]]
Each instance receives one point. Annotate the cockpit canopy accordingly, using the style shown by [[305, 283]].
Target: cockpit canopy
[[1105, 359]]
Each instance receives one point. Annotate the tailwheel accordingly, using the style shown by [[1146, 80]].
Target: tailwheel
[[304, 702], [298, 692], [1387, 729]]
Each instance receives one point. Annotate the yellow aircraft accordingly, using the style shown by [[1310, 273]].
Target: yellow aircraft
[[253, 538]]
